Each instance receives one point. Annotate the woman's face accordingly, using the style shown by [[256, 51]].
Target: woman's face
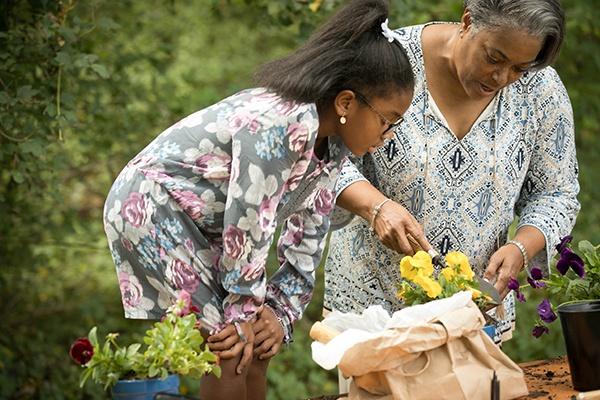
[[487, 60], [372, 120]]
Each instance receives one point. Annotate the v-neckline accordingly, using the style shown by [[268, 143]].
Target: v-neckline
[[432, 104]]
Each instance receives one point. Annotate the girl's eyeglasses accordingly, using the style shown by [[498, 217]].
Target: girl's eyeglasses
[[390, 125]]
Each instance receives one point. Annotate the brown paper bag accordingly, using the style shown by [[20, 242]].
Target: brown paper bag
[[450, 358]]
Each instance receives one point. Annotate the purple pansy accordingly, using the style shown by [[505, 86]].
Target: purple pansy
[[570, 259], [513, 284], [544, 310], [563, 243], [536, 273], [539, 330]]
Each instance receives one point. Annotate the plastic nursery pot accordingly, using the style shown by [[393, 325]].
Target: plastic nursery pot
[[581, 331], [145, 389]]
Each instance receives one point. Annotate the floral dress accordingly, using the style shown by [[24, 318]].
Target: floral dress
[[518, 157], [197, 210]]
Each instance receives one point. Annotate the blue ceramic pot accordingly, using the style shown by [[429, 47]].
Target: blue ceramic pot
[[145, 389]]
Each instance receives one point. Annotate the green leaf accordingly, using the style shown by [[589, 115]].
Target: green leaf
[[100, 70], [63, 58], [25, 93]]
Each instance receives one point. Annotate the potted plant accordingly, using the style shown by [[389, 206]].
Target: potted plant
[[420, 286], [172, 348], [574, 284]]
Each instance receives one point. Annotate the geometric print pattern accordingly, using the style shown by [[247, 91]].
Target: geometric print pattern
[[517, 159]]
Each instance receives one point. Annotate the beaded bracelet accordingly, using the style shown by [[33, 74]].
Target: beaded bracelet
[[522, 250], [286, 335], [375, 213], [240, 332]]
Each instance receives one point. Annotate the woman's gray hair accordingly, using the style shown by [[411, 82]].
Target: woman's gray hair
[[544, 19]]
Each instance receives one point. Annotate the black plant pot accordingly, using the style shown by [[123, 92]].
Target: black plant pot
[[581, 330]]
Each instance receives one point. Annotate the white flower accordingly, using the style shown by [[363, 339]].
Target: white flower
[[260, 186]]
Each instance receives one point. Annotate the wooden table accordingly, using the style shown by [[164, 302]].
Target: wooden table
[[546, 379]]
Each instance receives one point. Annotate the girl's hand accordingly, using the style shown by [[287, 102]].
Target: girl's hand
[[229, 343], [268, 334], [394, 223]]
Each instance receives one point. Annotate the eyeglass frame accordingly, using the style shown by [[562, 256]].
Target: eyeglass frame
[[390, 125]]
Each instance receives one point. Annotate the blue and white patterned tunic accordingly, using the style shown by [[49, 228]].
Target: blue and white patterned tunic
[[518, 158]]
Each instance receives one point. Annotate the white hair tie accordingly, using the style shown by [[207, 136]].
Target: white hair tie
[[389, 34]]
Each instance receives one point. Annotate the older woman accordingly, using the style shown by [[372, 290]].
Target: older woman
[[489, 134]]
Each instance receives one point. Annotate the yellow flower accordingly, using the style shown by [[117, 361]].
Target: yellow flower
[[448, 273], [422, 260], [420, 263], [431, 287], [458, 259], [406, 269], [475, 294], [315, 5]]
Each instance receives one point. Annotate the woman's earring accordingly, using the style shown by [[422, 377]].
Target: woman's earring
[[343, 120], [460, 32]]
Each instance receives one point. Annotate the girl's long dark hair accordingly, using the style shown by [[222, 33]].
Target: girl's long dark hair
[[348, 52]]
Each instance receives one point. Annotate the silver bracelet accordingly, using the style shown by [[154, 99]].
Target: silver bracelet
[[286, 336], [375, 213], [522, 250], [240, 332]]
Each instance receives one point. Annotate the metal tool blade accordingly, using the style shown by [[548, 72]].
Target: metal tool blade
[[489, 289]]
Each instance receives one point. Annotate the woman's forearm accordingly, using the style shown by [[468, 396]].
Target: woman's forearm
[[360, 198]]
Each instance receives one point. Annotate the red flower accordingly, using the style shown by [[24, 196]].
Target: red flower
[[81, 351]]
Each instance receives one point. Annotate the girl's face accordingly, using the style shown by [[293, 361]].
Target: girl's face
[[487, 60], [372, 120]]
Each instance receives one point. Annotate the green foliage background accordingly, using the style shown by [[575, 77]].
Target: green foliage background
[[84, 86]]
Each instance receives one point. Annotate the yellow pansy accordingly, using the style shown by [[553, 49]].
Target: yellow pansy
[[420, 263], [431, 287], [458, 259], [422, 260], [475, 294], [406, 268], [448, 273]]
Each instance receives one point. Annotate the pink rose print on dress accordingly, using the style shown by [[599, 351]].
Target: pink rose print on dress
[[133, 209], [286, 107], [266, 214], [297, 173], [241, 120], [183, 275], [127, 244], [324, 201], [252, 270], [234, 242], [298, 136], [131, 290], [214, 166], [156, 176], [294, 232], [190, 202], [239, 311]]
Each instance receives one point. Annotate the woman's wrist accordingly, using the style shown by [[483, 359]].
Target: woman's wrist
[[375, 212], [522, 250]]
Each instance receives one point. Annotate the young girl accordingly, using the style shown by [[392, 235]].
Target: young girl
[[198, 207]]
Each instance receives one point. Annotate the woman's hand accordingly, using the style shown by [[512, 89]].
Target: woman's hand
[[505, 263], [268, 334], [229, 344], [394, 223]]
